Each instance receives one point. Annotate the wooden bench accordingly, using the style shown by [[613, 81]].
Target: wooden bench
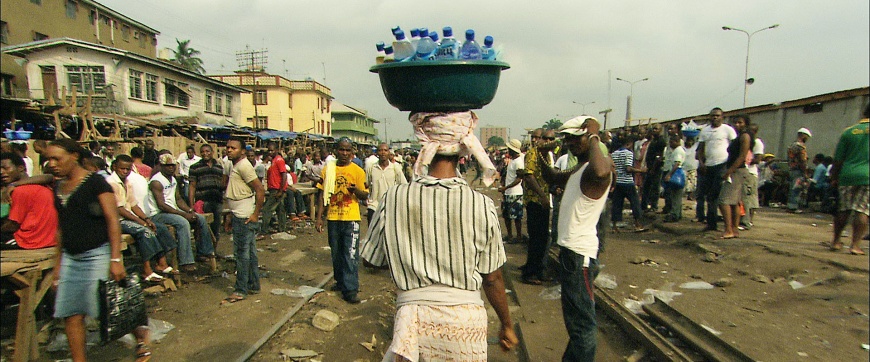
[[30, 272]]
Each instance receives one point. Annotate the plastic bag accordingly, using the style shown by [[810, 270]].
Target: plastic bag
[[551, 293], [605, 281], [122, 307], [678, 179]]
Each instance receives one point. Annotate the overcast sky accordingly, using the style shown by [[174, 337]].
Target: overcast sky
[[560, 52]]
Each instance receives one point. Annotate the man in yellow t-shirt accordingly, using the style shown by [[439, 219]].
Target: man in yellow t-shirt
[[343, 217]]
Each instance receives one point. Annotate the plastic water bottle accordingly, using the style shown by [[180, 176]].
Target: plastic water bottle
[[381, 53], [426, 47], [415, 37], [470, 50], [402, 48], [434, 36], [388, 54], [487, 52], [449, 47]]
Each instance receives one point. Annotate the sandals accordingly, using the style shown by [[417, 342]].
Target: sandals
[[232, 298], [143, 353], [154, 278], [170, 270]]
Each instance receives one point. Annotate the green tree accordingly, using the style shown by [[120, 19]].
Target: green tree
[[552, 124], [495, 141], [187, 57]]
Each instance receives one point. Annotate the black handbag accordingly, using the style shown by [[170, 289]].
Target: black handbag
[[122, 307]]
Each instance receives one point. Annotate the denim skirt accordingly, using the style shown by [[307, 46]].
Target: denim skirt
[[80, 275]]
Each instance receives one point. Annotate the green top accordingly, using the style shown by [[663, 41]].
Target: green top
[[854, 151]]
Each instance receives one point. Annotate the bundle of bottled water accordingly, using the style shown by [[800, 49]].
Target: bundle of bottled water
[[424, 45]]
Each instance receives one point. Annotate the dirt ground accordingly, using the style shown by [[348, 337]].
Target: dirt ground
[[759, 311]]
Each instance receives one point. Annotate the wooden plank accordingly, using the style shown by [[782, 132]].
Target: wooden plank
[[25, 330]]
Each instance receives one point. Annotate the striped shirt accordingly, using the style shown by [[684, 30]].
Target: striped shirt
[[623, 158], [435, 231]]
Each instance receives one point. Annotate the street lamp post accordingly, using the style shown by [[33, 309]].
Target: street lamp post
[[630, 95], [583, 105], [746, 79]]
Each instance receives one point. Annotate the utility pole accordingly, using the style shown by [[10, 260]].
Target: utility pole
[[385, 131], [253, 62]]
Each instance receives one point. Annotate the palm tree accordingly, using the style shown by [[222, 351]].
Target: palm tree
[[187, 57], [495, 141], [552, 124]]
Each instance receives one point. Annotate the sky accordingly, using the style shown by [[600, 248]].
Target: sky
[[563, 54]]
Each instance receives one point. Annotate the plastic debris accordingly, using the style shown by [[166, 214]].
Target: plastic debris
[[551, 293], [796, 284], [605, 281], [301, 292], [711, 330], [865, 346], [697, 285], [283, 236]]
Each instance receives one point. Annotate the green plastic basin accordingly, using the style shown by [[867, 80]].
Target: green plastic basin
[[440, 86]]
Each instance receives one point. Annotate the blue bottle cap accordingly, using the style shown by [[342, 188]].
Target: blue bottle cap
[[433, 35], [448, 31], [469, 34], [400, 35], [395, 29], [388, 49], [380, 46], [424, 32], [487, 41], [415, 32]]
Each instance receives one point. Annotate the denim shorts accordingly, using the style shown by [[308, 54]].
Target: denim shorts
[[80, 275]]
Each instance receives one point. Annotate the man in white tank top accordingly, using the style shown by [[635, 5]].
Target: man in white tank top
[[583, 200]]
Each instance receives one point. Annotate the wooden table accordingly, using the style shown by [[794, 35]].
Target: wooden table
[[30, 272], [311, 192]]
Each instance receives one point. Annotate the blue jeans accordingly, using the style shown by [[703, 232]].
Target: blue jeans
[[344, 242], [245, 252], [295, 203], [795, 189], [578, 305], [274, 205], [204, 245], [216, 209], [151, 244]]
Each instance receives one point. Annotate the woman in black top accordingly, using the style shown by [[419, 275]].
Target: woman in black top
[[89, 240], [735, 176]]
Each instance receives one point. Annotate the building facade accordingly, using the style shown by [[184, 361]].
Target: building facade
[[25, 21], [281, 104], [124, 82], [488, 132], [354, 124]]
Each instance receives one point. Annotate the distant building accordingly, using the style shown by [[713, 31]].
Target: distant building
[[353, 123], [125, 83], [25, 21], [488, 132], [825, 115], [302, 106]]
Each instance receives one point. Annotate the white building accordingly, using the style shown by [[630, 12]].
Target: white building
[[125, 83]]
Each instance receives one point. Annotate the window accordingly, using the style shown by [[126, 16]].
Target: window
[[104, 19], [135, 84], [261, 122], [125, 33], [209, 100], [260, 97], [92, 17], [71, 9], [218, 102], [87, 79], [151, 87], [4, 32], [290, 101], [175, 93], [39, 36], [290, 122], [813, 108], [229, 100]]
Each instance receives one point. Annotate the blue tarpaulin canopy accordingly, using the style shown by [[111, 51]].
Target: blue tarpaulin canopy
[[268, 135]]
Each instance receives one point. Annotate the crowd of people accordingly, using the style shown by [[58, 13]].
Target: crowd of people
[[439, 237]]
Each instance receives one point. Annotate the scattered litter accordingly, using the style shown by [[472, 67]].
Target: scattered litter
[[814, 224], [796, 284], [711, 330], [158, 330], [325, 320], [260, 250], [635, 306], [294, 353], [508, 291], [370, 345], [710, 257], [723, 282], [225, 275], [760, 278], [551, 293], [865, 346], [632, 286], [301, 292], [325, 248], [697, 285], [803, 354], [665, 295], [283, 236], [605, 281], [653, 241]]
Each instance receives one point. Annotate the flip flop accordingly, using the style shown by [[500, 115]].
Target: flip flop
[[232, 298], [856, 252], [154, 278], [729, 237], [143, 353], [835, 247], [641, 229], [170, 270]]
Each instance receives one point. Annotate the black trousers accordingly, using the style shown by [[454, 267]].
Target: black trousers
[[537, 223]]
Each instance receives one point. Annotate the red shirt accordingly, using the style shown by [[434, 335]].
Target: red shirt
[[32, 208], [143, 169], [274, 181]]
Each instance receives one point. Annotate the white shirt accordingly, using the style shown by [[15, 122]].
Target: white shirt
[[691, 164], [139, 186], [562, 162], [757, 149], [578, 217], [381, 179], [168, 194], [369, 161], [673, 155], [28, 165], [716, 142], [511, 175], [184, 163]]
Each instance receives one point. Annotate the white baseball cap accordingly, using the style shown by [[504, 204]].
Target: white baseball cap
[[805, 131], [573, 126]]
